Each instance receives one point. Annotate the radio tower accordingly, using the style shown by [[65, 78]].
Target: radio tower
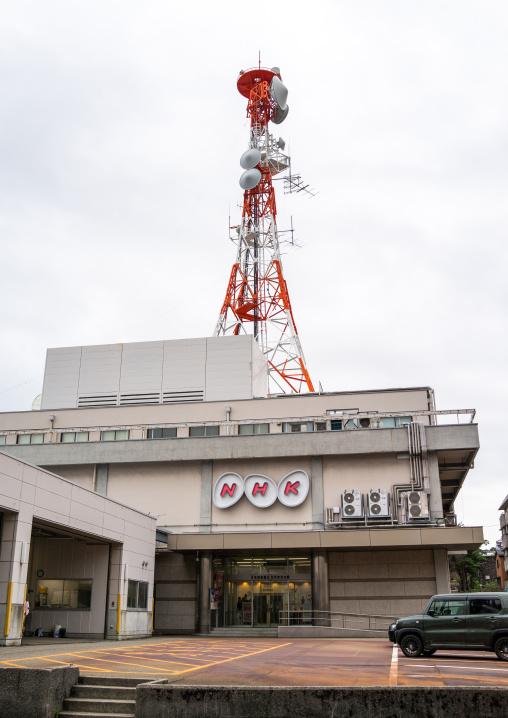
[[257, 299]]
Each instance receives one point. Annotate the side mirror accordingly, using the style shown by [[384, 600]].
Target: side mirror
[[431, 613]]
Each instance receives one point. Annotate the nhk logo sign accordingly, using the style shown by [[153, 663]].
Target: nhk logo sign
[[261, 490]]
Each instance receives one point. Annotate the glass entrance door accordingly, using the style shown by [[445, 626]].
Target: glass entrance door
[[269, 599]]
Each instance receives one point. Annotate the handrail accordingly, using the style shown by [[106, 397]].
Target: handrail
[[336, 620]]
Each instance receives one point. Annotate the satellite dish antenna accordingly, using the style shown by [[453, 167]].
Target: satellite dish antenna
[[281, 144], [37, 402], [250, 179], [250, 158], [280, 115], [279, 92], [276, 70]]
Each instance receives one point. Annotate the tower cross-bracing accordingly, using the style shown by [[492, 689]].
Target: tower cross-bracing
[[257, 298]]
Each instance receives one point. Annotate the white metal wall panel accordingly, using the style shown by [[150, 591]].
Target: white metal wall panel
[[229, 368], [100, 369], [259, 372], [141, 367], [217, 368], [61, 378], [184, 365]]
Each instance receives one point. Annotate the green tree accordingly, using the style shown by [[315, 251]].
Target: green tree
[[467, 569]]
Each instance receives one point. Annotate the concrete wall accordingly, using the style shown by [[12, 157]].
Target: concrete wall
[[35, 692], [160, 700], [176, 593], [391, 583], [170, 490], [276, 408]]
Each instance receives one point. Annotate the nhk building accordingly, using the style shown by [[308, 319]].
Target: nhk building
[[281, 512]]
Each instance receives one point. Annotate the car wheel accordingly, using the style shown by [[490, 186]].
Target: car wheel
[[428, 651], [501, 648], [411, 645]]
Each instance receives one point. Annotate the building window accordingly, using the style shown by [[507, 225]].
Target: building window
[[294, 428], [204, 431], [169, 433], [336, 424], [320, 426], [30, 439], [2, 440], [115, 435], [249, 429], [393, 422], [65, 594], [137, 594], [69, 437]]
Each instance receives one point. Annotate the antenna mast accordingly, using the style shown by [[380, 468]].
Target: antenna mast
[[257, 299]]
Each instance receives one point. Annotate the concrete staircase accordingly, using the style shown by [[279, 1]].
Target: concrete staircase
[[101, 697], [245, 632]]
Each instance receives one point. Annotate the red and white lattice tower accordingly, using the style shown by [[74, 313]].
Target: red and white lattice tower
[[257, 299]]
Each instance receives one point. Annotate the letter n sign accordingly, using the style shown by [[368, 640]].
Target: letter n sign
[[228, 490]]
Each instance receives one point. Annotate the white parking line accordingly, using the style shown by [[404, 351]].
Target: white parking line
[[392, 678], [457, 665]]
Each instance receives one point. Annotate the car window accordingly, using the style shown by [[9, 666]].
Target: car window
[[484, 605], [451, 607]]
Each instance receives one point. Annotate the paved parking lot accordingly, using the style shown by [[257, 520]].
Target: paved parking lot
[[263, 662]]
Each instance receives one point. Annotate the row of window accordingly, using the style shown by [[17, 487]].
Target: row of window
[[68, 594], [243, 430]]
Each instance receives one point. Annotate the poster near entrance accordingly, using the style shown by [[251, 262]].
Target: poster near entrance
[[263, 592]]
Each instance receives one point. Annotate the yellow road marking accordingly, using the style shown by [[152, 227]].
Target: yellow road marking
[[246, 655], [126, 663], [142, 649]]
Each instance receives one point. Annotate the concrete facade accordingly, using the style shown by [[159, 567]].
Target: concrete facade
[[279, 561]]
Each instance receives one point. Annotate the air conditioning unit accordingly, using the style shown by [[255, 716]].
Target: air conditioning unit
[[352, 505], [378, 504], [417, 505]]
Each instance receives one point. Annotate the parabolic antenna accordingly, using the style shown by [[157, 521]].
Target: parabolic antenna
[[250, 158], [250, 179], [279, 92], [36, 404], [276, 70], [280, 115]]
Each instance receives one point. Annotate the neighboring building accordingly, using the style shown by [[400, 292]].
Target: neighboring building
[[276, 506], [503, 521], [501, 574]]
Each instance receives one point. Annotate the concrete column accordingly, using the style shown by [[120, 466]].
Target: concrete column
[[205, 511], [316, 482], [14, 553], [101, 479], [204, 583], [442, 570], [320, 587], [436, 498]]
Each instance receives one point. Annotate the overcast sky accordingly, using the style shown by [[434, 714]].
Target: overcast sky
[[121, 133]]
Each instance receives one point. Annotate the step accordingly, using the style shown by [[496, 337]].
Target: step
[[99, 705], [246, 632], [111, 681], [113, 692], [79, 714]]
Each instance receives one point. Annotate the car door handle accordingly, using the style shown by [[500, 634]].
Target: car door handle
[[456, 620], [492, 618]]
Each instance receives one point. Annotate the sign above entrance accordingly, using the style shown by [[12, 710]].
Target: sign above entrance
[[261, 490]]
